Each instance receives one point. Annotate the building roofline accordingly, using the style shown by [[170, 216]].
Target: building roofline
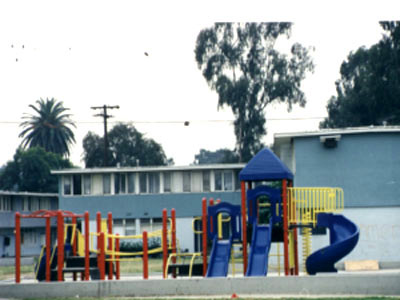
[[337, 131], [13, 193], [147, 169]]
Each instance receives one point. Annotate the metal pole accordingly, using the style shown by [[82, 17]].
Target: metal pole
[[48, 248], [110, 246], [60, 245], [285, 227], [17, 247], [244, 225], [204, 226], [164, 241], [87, 236], [145, 256]]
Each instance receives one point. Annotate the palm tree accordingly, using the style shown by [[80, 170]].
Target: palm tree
[[48, 127]]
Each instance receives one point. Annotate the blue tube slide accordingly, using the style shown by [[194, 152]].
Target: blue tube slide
[[343, 235]]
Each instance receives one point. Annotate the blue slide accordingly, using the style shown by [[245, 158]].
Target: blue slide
[[219, 258], [343, 235], [260, 246]]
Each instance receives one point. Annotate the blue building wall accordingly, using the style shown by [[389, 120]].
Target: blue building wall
[[143, 206], [366, 166]]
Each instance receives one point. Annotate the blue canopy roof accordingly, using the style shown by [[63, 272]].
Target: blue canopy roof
[[265, 166]]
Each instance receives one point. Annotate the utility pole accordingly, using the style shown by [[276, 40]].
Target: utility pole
[[105, 117]]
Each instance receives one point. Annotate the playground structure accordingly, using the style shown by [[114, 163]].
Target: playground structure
[[275, 211], [91, 254], [271, 209]]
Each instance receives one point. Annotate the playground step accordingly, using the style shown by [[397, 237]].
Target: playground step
[[79, 261], [93, 271], [183, 269]]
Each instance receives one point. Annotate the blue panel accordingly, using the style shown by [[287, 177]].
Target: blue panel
[[234, 211], [274, 196], [265, 166], [365, 166]]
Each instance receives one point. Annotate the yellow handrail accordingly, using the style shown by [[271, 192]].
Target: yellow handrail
[[305, 203], [193, 255]]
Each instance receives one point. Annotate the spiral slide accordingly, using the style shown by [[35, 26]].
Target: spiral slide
[[343, 235]]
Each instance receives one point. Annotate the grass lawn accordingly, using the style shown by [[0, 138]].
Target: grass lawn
[[127, 268], [240, 298]]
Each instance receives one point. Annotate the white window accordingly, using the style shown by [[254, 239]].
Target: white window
[[167, 182], [130, 227], [118, 226], [145, 225], [26, 205], [218, 180], [131, 183], [87, 184], [5, 203], [223, 180], [28, 236], [154, 183], [156, 224], [106, 184], [44, 203], [206, 181], [228, 180], [67, 185], [186, 181], [35, 204]]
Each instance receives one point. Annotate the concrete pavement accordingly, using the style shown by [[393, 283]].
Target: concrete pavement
[[381, 283]]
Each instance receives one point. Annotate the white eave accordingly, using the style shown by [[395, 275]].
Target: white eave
[[338, 131], [148, 169], [31, 194]]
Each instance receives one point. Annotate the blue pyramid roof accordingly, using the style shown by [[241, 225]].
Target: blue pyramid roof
[[265, 166]]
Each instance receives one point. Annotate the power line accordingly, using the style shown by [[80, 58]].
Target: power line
[[179, 122], [105, 117]]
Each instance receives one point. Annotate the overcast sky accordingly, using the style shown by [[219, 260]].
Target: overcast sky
[[90, 53]]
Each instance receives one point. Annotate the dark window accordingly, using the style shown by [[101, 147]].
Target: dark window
[[206, 181], [77, 184]]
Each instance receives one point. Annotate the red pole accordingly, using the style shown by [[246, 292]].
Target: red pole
[[117, 269], [110, 263], [17, 247], [285, 227], [60, 245], [145, 257], [87, 236], [244, 225], [164, 240], [101, 257], [211, 203], [48, 248], [173, 237], [204, 225]]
